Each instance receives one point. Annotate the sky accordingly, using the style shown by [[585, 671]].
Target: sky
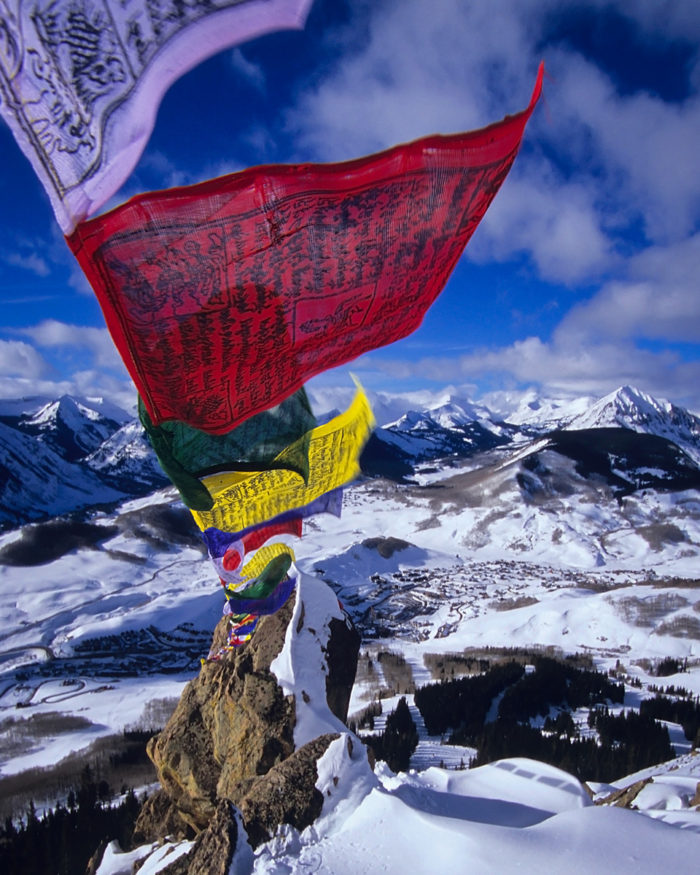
[[583, 274]]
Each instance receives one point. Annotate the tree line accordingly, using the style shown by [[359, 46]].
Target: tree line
[[63, 839]]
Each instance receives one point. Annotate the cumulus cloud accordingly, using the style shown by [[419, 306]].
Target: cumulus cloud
[[657, 300], [555, 223], [460, 66], [95, 341], [641, 150], [19, 359], [30, 261]]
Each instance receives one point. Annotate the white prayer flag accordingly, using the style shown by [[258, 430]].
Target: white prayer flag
[[81, 80]]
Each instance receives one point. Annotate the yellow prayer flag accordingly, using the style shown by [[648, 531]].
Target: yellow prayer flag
[[263, 556], [243, 499]]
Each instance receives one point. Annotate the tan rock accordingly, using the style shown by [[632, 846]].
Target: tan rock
[[234, 724], [625, 797]]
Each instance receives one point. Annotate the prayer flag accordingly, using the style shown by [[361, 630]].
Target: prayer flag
[[269, 439], [267, 604], [225, 297], [227, 551], [244, 499], [80, 83], [255, 567]]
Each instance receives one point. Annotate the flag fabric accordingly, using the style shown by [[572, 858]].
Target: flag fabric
[[227, 551], [256, 566], [225, 297], [238, 544], [245, 499], [267, 604], [270, 574], [80, 83], [273, 438]]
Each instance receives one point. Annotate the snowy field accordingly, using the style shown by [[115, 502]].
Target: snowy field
[[102, 631]]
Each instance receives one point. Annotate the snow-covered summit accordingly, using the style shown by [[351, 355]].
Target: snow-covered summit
[[72, 427], [630, 408], [447, 412], [536, 412], [67, 454]]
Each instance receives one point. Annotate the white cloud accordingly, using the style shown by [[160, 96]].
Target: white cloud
[[555, 223], [19, 359], [251, 72], [30, 261], [95, 341], [658, 299], [638, 151], [446, 66]]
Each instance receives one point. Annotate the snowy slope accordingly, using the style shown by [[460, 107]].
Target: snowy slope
[[68, 455], [36, 482], [632, 409], [515, 546]]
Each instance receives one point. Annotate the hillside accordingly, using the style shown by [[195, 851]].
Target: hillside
[[579, 540]]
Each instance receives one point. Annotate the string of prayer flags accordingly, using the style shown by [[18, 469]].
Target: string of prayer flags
[[244, 499], [256, 567], [227, 551], [272, 438], [330, 502], [225, 297], [264, 605], [80, 83]]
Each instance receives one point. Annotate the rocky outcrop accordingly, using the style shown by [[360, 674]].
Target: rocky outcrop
[[213, 848], [232, 724], [231, 738], [625, 797], [286, 794]]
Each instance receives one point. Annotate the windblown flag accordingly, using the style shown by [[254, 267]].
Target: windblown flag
[[220, 543], [262, 605], [227, 551], [225, 297], [80, 82], [271, 439], [242, 500], [256, 569]]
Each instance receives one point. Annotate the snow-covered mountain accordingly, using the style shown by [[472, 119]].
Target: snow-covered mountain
[[69, 454], [451, 428], [36, 482], [70, 426], [635, 410], [535, 413], [584, 539], [629, 438]]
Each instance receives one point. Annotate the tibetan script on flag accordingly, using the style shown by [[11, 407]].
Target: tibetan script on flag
[[225, 297], [81, 80]]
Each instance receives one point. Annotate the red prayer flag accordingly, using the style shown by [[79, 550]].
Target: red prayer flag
[[225, 297]]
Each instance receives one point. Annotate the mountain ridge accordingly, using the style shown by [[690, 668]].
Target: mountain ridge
[[73, 453]]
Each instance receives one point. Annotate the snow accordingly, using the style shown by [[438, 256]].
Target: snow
[[485, 565], [511, 816], [297, 665]]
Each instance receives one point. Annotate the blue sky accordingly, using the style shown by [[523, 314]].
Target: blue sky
[[584, 273]]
